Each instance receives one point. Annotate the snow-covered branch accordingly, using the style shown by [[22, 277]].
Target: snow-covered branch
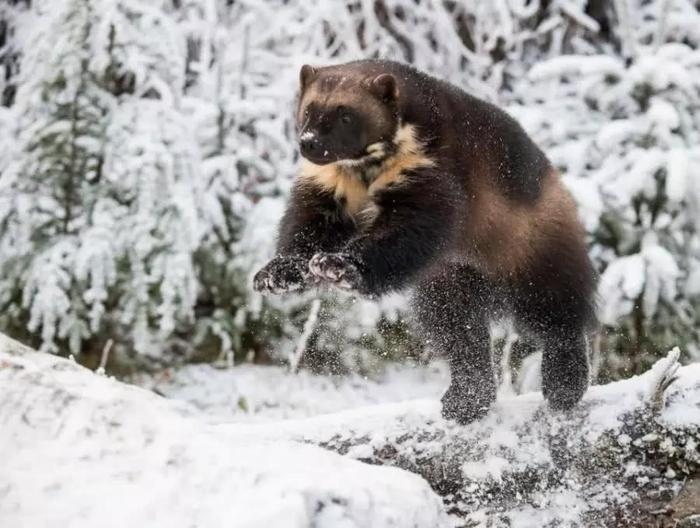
[[309, 326]]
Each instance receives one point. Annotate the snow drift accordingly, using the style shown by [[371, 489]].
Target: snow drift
[[84, 450]]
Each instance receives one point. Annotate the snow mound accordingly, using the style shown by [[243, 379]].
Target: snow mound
[[84, 450]]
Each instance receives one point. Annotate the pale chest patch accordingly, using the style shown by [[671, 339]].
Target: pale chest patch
[[350, 190], [355, 187]]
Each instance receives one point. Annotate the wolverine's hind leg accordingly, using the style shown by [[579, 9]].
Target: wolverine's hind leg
[[557, 310], [453, 310]]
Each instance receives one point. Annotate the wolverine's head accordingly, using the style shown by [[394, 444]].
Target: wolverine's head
[[346, 115]]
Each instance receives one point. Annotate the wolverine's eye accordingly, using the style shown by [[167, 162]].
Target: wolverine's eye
[[345, 116]]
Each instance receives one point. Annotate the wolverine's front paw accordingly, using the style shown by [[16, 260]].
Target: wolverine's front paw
[[336, 268], [282, 274]]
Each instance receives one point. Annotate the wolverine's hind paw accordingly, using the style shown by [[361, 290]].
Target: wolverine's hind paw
[[465, 404], [337, 269]]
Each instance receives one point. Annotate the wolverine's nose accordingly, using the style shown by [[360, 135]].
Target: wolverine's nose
[[309, 145]]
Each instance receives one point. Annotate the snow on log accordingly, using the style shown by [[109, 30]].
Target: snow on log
[[79, 449], [618, 459]]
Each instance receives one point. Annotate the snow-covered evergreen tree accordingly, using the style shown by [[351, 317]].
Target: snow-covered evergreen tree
[[11, 12], [624, 130], [99, 207], [148, 149]]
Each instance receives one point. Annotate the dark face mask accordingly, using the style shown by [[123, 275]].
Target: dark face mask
[[332, 134]]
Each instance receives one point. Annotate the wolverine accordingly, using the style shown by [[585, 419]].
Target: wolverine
[[408, 181]]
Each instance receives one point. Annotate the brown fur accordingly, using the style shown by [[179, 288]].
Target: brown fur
[[504, 238], [500, 237]]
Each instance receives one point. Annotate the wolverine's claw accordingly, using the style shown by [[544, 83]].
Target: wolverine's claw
[[336, 268], [325, 266]]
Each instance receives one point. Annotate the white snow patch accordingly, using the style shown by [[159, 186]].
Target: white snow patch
[[82, 450], [251, 393]]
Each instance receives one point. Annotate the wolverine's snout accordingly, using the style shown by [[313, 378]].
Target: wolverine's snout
[[313, 149], [309, 144]]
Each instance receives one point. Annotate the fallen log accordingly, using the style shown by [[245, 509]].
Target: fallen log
[[618, 459]]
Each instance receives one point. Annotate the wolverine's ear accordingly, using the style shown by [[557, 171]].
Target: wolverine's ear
[[306, 75], [384, 86]]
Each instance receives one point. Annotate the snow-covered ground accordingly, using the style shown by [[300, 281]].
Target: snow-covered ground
[[252, 393], [81, 449], [256, 447]]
